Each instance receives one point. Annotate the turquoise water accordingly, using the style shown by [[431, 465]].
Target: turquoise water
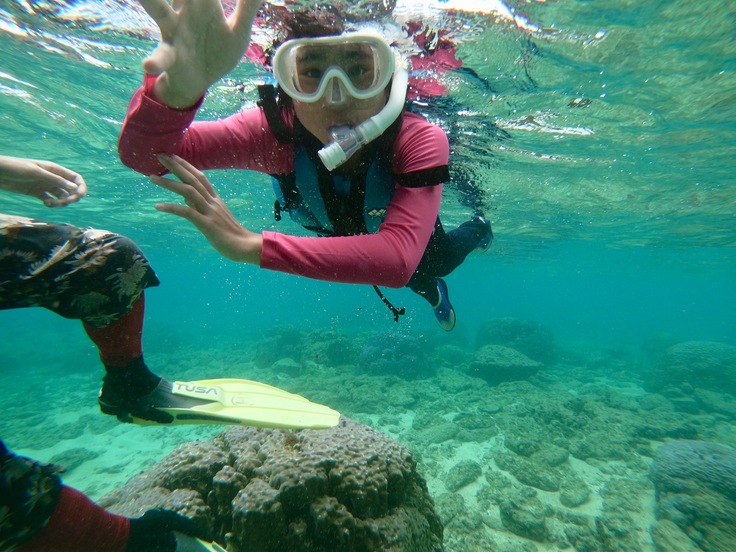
[[612, 200]]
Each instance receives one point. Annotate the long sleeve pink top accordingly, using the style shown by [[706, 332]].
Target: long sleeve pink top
[[388, 257]]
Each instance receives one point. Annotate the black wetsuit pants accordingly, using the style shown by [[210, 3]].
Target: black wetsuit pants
[[445, 252]]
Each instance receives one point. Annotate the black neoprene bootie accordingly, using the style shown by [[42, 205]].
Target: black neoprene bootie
[[129, 391]]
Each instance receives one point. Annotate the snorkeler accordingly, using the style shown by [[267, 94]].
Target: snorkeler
[[99, 278], [349, 164]]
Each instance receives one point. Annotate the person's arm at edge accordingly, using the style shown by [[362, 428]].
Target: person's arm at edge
[[54, 185]]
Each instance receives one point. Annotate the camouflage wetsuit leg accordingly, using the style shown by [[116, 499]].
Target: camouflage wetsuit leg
[[29, 492], [80, 273]]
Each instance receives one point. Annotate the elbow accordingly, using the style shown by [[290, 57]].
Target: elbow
[[398, 276], [129, 157], [404, 274], [128, 160], [138, 162]]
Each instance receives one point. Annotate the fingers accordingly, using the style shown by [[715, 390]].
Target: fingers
[[244, 14], [189, 174], [192, 197], [202, 202], [162, 13], [58, 198], [160, 60], [178, 210], [63, 172], [62, 186], [81, 187], [191, 191]]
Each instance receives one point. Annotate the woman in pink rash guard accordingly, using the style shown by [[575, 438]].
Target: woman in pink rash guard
[[375, 209]]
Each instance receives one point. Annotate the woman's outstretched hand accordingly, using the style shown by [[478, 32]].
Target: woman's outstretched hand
[[53, 184], [206, 210], [198, 46]]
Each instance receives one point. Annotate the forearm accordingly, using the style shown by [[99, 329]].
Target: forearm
[[366, 259], [387, 258], [242, 140], [6, 171]]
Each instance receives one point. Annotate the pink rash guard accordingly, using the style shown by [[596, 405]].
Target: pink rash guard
[[388, 257]]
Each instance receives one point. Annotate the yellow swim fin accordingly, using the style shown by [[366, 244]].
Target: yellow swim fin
[[237, 402], [185, 543]]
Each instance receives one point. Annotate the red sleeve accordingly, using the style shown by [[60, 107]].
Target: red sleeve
[[386, 258], [241, 141], [81, 525]]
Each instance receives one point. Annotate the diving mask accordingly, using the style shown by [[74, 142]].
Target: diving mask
[[308, 69]]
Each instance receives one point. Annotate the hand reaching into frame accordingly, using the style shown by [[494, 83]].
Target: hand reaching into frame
[[53, 184], [199, 45], [208, 212]]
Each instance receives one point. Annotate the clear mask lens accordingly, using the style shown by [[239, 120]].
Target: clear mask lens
[[358, 64]]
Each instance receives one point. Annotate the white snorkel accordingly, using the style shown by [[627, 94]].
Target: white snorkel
[[346, 140]]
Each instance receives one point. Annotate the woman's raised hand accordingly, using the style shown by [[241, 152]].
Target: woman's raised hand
[[199, 45]]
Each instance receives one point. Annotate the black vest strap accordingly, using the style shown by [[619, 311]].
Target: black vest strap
[[270, 106]]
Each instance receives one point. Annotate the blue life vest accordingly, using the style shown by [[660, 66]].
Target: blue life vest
[[301, 194]]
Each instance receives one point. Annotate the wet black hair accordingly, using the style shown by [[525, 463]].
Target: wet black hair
[[315, 22], [318, 21]]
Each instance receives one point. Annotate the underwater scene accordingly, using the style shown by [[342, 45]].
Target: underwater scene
[[585, 399]]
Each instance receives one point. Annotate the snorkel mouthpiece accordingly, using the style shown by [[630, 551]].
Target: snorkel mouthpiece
[[346, 140]]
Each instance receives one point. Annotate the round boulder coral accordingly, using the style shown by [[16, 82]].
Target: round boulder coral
[[348, 488], [530, 338], [398, 354], [702, 364], [497, 364]]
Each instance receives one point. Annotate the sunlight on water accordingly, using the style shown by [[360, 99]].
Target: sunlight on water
[[555, 112]]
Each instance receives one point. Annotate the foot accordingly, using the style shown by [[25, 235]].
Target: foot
[[485, 243], [443, 309], [146, 407]]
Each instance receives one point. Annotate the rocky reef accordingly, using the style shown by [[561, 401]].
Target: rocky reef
[[348, 488], [532, 339], [497, 364], [706, 365], [695, 483], [399, 354]]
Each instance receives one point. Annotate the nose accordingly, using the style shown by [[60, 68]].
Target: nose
[[336, 93]]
